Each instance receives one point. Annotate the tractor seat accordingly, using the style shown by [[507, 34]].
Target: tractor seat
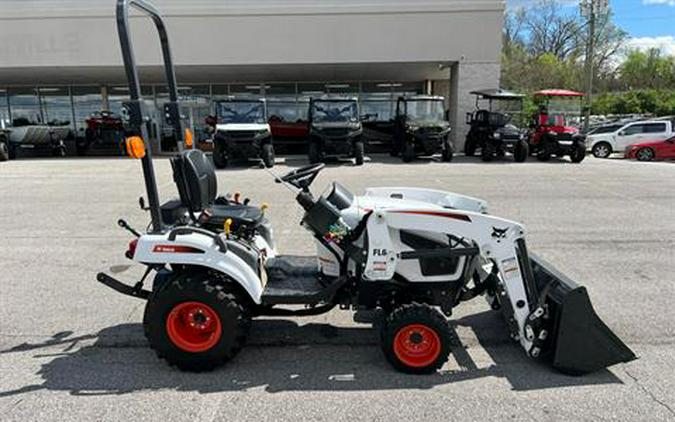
[[197, 185]]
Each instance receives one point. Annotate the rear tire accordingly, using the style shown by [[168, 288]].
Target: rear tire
[[267, 155], [645, 154], [601, 150], [469, 147], [415, 339], [521, 152], [408, 152], [196, 323], [219, 155]]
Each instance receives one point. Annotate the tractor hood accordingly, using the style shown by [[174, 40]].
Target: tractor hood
[[232, 127]]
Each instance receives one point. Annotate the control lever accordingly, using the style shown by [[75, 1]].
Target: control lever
[[141, 203], [127, 227]]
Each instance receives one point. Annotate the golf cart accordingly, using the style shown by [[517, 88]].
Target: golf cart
[[491, 129], [105, 129], [413, 254], [335, 129], [551, 134], [421, 128], [241, 130]]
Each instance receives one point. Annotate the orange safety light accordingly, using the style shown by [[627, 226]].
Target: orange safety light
[[189, 138], [135, 147]]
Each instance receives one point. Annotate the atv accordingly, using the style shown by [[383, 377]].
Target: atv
[[104, 129], [412, 254], [550, 133], [421, 128], [242, 130], [491, 130], [335, 129]]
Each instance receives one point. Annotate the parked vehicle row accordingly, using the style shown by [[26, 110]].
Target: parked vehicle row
[[241, 128], [644, 140]]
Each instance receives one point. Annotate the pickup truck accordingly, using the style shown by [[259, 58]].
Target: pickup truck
[[610, 139]]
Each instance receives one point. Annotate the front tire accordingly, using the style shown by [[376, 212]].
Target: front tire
[[487, 153], [196, 323], [645, 154], [448, 152], [314, 153], [359, 152], [4, 151], [408, 152], [415, 339], [267, 155], [521, 152], [601, 150], [219, 155], [578, 153]]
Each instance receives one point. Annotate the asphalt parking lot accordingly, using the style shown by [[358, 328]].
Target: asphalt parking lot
[[71, 349]]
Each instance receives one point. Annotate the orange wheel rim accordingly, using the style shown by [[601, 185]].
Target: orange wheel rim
[[193, 327], [417, 345]]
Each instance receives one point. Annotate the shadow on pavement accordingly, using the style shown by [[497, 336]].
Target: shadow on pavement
[[283, 356]]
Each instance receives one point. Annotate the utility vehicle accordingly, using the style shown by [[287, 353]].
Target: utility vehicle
[[105, 129], [242, 130], [550, 133], [491, 129], [421, 127], [335, 129], [35, 136], [413, 254]]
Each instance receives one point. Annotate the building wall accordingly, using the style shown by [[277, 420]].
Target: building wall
[[80, 33]]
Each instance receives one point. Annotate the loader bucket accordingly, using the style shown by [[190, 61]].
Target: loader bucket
[[578, 342]]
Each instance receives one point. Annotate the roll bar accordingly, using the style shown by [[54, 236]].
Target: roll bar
[[133, 108]]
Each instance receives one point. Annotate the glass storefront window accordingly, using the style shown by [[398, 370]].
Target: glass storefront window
[[86, 101], [25, 106], [343, 88], [311, 90], [377, 101], [248, 90], [56, 106], [283, 104], [4, 109]]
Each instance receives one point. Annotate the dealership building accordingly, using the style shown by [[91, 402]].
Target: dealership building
[[60, 59]]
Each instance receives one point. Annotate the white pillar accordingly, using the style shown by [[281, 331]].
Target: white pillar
[[464, 78]]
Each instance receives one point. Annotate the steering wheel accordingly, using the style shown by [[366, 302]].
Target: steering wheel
[[303, 177]]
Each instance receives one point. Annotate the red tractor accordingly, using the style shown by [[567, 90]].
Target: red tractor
[[551, 131]]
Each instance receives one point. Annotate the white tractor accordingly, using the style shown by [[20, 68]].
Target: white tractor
[[412, 254]]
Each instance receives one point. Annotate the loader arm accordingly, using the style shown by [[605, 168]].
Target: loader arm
[[500, 241], [546, 312]]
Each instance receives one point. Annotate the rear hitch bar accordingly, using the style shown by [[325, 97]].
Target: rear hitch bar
[[135, 291]]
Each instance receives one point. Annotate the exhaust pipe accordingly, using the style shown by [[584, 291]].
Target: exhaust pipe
[[579, 342]]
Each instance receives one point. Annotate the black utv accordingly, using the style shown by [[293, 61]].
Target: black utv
[[241, 131], [491, 129], [421, 128], [335, 129]]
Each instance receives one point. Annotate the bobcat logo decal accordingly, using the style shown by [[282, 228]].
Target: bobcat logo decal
[[499, 233]]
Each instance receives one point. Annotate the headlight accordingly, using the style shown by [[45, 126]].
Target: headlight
[[497, 135]]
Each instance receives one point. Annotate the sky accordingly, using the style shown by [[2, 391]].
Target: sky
[[650, 23]]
